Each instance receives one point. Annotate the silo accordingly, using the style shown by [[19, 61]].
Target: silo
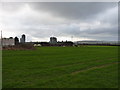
[[53, 40], [22, 40], [16, 40], [23, 37]]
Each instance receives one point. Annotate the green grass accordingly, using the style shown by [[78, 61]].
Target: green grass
[[61, 67]]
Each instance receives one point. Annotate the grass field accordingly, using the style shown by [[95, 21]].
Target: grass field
[[61, 67]]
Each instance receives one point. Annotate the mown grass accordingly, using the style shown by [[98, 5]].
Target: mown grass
[[61, 67]]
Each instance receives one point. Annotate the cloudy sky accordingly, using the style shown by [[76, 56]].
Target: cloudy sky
[[65, 20]]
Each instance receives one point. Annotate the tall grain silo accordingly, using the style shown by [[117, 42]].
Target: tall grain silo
[[22, 39], [16, 40], [53, 40]]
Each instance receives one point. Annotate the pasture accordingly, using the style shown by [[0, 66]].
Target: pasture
[[61, 67]]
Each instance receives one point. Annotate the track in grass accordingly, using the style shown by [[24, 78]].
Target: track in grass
[[53, 67]]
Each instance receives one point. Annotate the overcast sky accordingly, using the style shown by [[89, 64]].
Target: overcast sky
[[64, 20]]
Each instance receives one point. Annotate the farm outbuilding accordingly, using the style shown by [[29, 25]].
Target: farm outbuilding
[[7, 41]]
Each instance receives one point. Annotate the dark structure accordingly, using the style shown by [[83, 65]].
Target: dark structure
[[16, 40], [67, 43], [53, 40], [22, 40]]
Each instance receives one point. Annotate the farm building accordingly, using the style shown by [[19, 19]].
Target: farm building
[[7, 41], [53, 40]]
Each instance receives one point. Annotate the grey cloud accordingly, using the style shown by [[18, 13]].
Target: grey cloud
[[62, 19], [74, 10]]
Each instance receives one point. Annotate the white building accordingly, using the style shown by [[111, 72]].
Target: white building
[[7, 41]]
